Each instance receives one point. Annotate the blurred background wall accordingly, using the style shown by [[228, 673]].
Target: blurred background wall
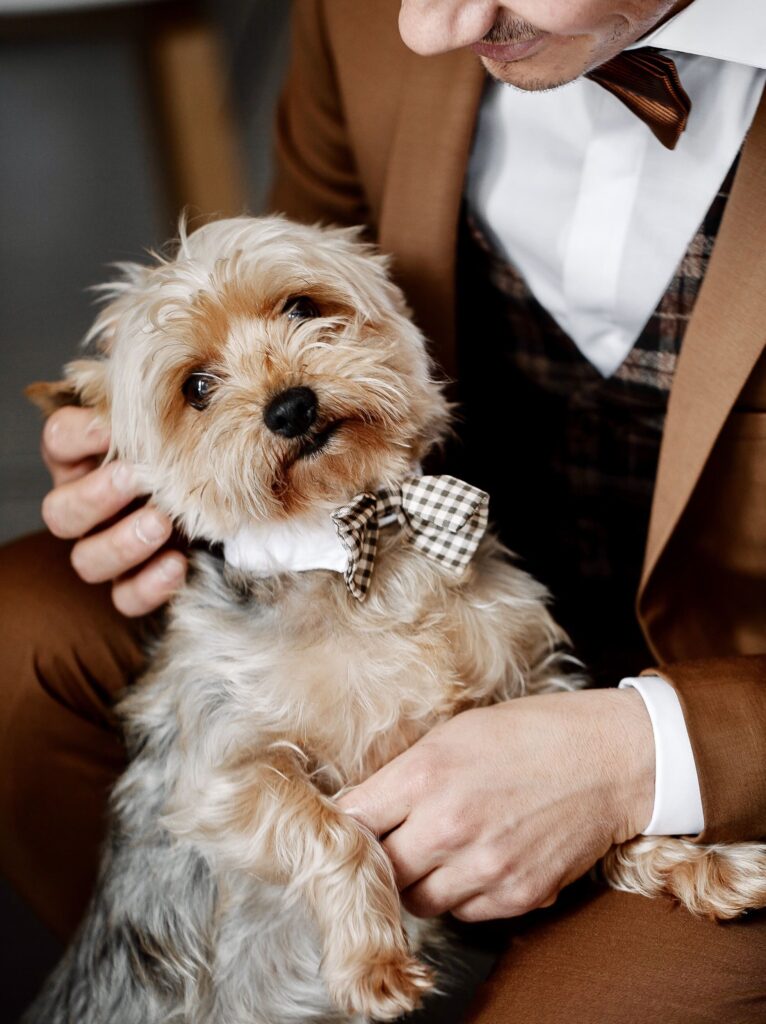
[[85, 181]]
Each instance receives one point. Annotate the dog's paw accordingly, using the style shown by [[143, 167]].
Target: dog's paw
[[381, 989]]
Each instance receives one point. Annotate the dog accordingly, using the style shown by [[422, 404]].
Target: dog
[[268, 381]]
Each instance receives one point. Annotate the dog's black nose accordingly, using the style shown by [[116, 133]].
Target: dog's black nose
[[291, 412]]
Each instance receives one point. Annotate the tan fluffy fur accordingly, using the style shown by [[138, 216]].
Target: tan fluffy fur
[[276, 712]]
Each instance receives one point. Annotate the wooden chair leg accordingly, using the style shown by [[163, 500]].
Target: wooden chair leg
[[195, 123]]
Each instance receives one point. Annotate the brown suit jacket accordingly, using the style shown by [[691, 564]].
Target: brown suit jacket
[[370, 133]]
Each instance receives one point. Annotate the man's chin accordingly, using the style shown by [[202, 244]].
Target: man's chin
[[531, 75]]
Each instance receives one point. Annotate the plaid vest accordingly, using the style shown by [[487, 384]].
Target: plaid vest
[[570, 457]]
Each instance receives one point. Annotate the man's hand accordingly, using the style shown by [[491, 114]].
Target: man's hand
[[492, 813], [86, 495]]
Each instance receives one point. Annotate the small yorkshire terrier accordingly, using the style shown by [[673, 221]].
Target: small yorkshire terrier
[[278, 399]]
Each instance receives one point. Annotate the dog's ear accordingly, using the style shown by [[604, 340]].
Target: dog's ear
[[84, 383]]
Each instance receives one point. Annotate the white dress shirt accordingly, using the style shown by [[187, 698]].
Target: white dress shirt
[[594, 212], [577, 193]]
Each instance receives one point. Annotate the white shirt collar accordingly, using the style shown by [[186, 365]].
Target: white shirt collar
[[733, 31]]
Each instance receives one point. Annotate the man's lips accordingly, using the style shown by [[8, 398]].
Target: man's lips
[[509, 51]]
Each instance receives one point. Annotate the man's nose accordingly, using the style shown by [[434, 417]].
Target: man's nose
[[435, 26]]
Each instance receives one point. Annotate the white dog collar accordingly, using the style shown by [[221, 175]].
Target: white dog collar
[[294, 545], [441, 516]]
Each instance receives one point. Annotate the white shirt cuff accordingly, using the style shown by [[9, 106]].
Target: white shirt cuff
[[677, 800]]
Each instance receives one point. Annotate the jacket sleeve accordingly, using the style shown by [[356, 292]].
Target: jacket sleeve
[[315, 173], [724, 706]]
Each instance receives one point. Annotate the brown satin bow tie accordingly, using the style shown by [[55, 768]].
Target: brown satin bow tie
[[647, 82]]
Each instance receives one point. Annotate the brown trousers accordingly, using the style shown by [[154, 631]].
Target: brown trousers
[[596, 957]]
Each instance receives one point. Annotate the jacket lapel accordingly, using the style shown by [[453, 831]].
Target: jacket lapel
[[723, 342], [424, 185]]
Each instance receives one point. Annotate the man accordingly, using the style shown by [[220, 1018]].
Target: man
[[492, 814]]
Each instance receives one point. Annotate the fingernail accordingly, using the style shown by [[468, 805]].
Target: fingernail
[[171, 569], [123, 477], [151, 528]]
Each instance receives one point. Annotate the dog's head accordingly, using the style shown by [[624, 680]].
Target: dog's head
[[266, 369]]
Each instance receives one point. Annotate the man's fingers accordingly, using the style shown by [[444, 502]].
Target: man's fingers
[[512, 898], [72, 434], [130, 542], [441, 890], [459, 875], [151, 587], [412, 852], [76, 507], [69, 471], [481, 908], [385, 799], [86, 495]]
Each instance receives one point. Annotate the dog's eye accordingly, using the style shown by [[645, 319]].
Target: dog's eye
[[198, 389], [301, 307]]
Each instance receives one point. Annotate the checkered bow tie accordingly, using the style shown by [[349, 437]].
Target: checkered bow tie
[[441, 516]]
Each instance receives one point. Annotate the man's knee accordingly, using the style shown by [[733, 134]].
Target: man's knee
[[63, 638], [67, 654], [604, 957]]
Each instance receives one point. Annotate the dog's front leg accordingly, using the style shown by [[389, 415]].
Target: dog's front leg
[[267, 818]]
